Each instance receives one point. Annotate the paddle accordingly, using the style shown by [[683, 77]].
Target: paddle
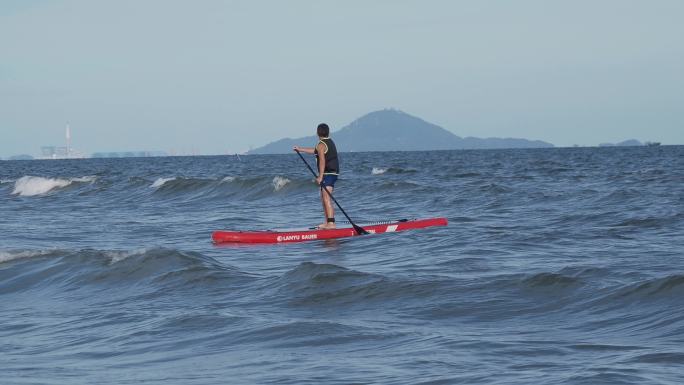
[[359, 230]]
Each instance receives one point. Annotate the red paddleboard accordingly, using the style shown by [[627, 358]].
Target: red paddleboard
[[284, 236]]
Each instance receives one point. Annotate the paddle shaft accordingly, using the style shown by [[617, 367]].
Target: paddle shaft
[[359, 230]]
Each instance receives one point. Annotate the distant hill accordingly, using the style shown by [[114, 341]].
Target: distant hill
[[393, 130], [626, 143], [20, 157]]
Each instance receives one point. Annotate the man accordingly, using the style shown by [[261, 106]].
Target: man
[[328, 170]]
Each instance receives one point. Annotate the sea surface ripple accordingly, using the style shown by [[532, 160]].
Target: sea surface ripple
[[559, 266]]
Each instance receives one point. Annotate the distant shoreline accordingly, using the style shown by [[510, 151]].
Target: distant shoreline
[[348, 152]]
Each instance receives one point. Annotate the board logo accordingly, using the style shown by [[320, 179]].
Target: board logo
[[296, 237]]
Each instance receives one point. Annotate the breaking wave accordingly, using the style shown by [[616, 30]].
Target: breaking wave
[[160, 182], [392, 170], [248, 187], [10, 255], [156, 268], [36, 185], [280, 182]]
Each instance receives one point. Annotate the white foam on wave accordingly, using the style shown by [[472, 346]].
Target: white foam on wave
[[228, 179], [9, 255], [279, 182], [160, 182], [84, 179], [118, 256], [378, 171], [113, 256], [36, 185]]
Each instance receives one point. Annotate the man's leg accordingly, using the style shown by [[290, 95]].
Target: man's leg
[[328, 208], [325, 213]]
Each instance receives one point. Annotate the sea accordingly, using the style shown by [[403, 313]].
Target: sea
[[558, 266]]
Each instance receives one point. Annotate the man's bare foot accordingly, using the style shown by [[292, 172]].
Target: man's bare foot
[[326, 226]]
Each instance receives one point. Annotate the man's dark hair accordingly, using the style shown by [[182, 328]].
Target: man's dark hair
[[323, 130]]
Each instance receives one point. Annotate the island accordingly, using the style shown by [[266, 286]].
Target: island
[[394, 130]]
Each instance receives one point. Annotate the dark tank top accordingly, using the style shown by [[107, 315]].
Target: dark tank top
[[332, 165]]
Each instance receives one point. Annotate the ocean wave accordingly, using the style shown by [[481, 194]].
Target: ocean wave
[[308, 333], [495, 188], [392, 170], [259, 187], [465, 175], [228, 184], [183, 185], [659, 358], [507, 296], [161, 181], [156, 268], [175, 187], [622, 195], [650, 222], [398, 185], [649, 292], [313, 284], [310, 274], [36, 185], [550, 280], [669, 285], [279, 182], [10, 255]]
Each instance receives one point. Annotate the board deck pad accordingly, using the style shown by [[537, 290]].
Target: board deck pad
[[302, 235]]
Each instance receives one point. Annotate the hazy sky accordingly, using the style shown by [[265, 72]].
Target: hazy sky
[[221, 76]]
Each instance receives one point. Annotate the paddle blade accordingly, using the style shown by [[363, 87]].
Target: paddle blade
[[359, 230]]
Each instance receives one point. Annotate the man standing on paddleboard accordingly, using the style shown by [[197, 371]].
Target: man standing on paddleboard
[[328, 170]]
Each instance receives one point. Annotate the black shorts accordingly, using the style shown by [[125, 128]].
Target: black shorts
[[329, 180]]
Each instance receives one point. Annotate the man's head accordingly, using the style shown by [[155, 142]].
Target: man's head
[[323, 130]]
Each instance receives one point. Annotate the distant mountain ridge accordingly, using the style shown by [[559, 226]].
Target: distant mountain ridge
[[394, 130], [624, 143]]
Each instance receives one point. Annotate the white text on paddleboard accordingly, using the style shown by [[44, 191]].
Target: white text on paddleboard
[[297, 237]]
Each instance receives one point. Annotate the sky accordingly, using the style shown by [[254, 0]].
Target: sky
[[218, 77]]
